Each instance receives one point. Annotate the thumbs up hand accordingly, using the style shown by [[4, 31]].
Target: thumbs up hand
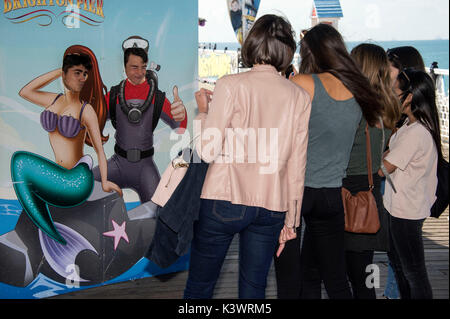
[[177, 108]]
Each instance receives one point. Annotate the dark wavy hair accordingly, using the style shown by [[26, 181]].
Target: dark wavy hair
[[423, 104], [134, 51], [406, 57], [270, 41], [74, 59], [322, 49], [402, 58]]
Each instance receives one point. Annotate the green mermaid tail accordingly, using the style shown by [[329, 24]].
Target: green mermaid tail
[[38, 182]]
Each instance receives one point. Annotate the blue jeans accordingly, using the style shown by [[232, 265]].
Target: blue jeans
[[391, 290], [218, 222]]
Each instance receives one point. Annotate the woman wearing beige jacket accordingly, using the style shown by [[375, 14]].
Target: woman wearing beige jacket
[[254, 135]]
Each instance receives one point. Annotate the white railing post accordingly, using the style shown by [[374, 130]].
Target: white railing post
[[442, 103]]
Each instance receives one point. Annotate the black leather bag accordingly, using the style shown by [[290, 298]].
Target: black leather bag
[[442, 199]]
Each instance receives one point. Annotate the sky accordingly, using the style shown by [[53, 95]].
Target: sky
[[378, 20]]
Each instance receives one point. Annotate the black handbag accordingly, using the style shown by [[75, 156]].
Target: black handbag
[[442, 199]]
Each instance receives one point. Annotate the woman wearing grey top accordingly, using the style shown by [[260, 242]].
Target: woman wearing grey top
[[340, 95], [373, 61]]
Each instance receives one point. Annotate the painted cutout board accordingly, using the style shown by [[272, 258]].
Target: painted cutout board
[[84, 119]]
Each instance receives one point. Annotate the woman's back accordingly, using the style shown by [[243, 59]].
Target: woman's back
[[263, 99], [335, 116], [260, 115], [259, 121]]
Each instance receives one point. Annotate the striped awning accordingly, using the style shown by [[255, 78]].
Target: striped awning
[[328, 9]]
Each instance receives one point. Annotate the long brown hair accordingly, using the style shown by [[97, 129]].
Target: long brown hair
[[322, 49], [93, 90], [374, 64]]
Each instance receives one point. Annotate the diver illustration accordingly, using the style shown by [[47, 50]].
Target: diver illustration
[[71, 119], [135, 106], [75, 225]]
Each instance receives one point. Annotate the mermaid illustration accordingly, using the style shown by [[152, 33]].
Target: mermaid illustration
[[71, 119]]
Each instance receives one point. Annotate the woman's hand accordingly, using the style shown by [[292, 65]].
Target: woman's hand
[[287, 233], [109, 187], [203, 97]]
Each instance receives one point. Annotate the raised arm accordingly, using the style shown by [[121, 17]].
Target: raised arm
[[214, 119], [32, 91], [90, 121]]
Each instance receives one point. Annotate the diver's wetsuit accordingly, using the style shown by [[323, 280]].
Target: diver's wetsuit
[[141, 176]]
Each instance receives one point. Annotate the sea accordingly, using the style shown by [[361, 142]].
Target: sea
[[431, 50]]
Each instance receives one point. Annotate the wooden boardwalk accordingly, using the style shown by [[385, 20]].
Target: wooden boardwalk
[[171, 286]]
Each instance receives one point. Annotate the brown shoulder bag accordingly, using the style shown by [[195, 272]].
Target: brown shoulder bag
[[361, 212]]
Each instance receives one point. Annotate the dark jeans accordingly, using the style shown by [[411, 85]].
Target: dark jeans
[[218, 222], [360, 247], [407, 258], [322, 257], [287, 269], [357, 262]]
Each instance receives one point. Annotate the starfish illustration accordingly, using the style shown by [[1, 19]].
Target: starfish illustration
[[118, 233]]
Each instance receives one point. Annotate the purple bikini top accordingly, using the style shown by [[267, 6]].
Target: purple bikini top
[[67, 125]]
